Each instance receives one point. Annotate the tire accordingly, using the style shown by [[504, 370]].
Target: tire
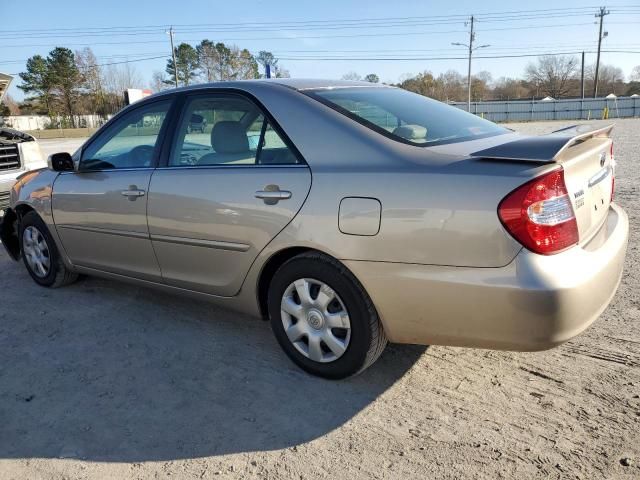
[[52, 273], [313, 336]]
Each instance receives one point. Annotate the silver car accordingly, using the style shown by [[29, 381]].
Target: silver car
[[348, 214]]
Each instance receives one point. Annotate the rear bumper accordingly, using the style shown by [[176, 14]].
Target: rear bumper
[[534, 303]]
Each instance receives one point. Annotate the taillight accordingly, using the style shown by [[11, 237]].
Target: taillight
[[539, 214]]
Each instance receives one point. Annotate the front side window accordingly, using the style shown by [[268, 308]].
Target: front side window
[[406, 116], [130, 142], [222, 129]]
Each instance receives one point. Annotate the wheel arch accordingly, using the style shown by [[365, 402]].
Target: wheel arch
[[269, 269], [9, 229]]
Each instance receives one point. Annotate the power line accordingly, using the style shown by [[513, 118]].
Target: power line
[[524, 55], [385, 22], [271, 28], [456, 17], [359, 35]]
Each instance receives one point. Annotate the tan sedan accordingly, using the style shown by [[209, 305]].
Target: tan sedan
[[348, 214]]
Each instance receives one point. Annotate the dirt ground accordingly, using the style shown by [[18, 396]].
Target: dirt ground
[[105, 380]]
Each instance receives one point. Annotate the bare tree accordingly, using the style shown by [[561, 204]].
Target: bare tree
[[553, 74], [480, 85], [87, 63], [610, 79], [351, 76], [93, 98], [635, 74], [450, 86], [11, 104], [158, 81], [118, 78], [509, 88]]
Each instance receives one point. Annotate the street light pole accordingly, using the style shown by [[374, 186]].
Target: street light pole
[[471, 39], [471, 48]]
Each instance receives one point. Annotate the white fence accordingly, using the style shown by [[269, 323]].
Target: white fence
[[42, 122], [573, 109]]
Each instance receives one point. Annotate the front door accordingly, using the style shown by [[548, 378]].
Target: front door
[[228, 189], [100, 210]]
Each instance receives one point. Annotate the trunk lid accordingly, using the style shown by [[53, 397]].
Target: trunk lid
[[588, 163]]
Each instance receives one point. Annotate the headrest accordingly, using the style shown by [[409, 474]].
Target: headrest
[[411, 132], [229, 137]]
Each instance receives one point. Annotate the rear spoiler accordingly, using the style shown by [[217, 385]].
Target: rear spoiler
[[545, 148]]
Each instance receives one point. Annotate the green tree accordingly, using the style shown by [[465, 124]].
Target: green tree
[[37, 82], [187, 65], [4, 110], [245, 65], [216, 61], [372, 78], [265, 58], [424, 83], [65, 79], [633, 88]]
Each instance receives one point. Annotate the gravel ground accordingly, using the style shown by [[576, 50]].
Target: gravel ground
[[105, 380]]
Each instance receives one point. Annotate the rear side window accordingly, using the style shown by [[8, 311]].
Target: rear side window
[[221, 129], [406, 117]]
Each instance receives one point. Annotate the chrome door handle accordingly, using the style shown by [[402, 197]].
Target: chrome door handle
[[132, 194], [271, 197]]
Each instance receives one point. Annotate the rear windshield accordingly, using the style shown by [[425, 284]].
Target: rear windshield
[[406, 116]]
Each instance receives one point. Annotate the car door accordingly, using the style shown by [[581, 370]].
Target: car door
[[100, 209], [223, 194]]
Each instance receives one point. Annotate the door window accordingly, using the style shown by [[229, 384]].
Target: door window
[[227, 130], [130, 142]]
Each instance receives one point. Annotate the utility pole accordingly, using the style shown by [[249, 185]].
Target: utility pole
[[601, 14], [472, 37], [173, 55], [582, 78]]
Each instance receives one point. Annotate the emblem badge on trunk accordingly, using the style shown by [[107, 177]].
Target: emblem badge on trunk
[[603, 157]]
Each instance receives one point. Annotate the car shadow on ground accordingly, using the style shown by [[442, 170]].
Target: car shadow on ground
[[109, 372]]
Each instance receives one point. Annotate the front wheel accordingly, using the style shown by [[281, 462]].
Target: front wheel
[[40, 255], [323, 318]]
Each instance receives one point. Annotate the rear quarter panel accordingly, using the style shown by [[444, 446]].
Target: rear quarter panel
[[437, 208]]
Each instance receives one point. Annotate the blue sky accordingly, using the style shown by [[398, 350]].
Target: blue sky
[[420, 29]]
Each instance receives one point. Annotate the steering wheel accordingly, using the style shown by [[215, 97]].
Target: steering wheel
[[141, 156]]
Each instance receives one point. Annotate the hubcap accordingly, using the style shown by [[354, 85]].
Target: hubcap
[[315, 320], [36, 252]]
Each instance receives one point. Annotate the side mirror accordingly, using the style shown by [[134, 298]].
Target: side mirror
[[61, 162]]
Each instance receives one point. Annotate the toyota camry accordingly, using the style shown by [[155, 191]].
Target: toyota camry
[[347, 214]]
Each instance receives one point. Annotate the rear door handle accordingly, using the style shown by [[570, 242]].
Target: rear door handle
[[133, 193], [271, 197]]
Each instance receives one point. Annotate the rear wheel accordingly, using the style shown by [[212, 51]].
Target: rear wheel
[[40, 255], [323, 318]]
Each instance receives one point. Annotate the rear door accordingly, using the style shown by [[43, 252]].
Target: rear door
[[224, 193], [100, 210]]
